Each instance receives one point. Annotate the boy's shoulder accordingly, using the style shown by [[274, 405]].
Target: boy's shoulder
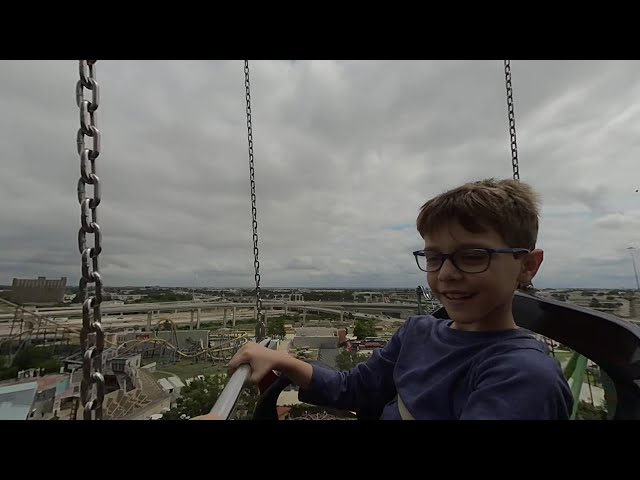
[[441, 326], [514, 349], [508, 374]]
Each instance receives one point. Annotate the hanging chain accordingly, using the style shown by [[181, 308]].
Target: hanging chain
[[261, 324], [90, 274], [512, 120]]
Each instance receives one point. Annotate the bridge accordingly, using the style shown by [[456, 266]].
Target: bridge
[[71, 315], [184, 306]]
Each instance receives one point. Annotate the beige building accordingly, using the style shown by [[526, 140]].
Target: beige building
[[39, 292]]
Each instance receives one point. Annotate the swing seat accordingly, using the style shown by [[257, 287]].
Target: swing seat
[[609, 341]]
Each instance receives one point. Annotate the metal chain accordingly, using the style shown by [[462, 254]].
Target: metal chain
[[261, 324], [90, 274], [512, 120]]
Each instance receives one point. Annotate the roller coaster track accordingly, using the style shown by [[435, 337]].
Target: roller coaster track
[[69, 330], [41, 319], [205, 351], [37, 328], [234, 343]]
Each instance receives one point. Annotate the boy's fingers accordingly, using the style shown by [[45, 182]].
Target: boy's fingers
[[208, 416]]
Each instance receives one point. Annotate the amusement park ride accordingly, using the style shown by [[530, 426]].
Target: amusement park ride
[[220, 347], [610, 342], [32, 328]]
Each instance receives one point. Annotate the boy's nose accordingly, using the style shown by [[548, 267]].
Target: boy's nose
[[448, 271]]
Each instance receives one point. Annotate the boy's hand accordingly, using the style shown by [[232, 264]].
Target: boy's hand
[[208, 416], [261, 359]]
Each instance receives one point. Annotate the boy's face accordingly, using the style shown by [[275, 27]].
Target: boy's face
[[489, 294]]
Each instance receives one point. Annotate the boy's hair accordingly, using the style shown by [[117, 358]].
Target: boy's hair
[[508, 206]]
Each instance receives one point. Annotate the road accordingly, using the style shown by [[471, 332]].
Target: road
[[203, 305], [139, 321]]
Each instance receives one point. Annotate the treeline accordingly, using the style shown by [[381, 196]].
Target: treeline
[[165, 297], [31, 357]]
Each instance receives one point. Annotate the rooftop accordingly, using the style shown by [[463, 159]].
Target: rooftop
[[176, 382], [16, 400], [50, 381], [165, 384], [315, 331]]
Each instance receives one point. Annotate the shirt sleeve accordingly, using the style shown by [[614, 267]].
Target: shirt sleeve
[[367, 387], [523, 384]]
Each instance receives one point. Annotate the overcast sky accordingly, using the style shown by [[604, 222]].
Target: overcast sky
[[345, 155]]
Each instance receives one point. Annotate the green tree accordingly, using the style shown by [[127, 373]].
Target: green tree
[[197, 398], [587, 411], [33, 357], [364, 328], [347, 359], [247, 403], [275, 328]]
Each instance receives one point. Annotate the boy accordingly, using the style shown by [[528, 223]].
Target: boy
[[480, 246]]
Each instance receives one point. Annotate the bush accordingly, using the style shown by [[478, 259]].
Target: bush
[[587, 411]]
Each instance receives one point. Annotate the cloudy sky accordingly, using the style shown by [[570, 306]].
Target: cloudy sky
[[345, 155]]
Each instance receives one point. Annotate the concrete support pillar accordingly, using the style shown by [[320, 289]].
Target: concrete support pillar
[[342, 316], [224, 317], [149, 321], [198, 319], [191, 321], [233, 316], [255, 313], [304, 316], [285, 309]]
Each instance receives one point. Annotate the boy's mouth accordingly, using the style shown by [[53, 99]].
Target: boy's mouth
[[457, 296]]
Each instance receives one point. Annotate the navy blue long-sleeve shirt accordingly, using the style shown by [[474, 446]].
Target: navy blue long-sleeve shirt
[[442, 373]]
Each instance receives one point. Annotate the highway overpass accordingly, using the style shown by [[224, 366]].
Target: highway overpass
[[403, 309]]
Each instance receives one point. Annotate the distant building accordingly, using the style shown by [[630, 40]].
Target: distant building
[[40, 292], [315, 337]]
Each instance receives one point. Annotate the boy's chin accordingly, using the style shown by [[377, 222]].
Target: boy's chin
[[461, 322]]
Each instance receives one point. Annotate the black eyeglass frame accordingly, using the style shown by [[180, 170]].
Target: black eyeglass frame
[[489, 251]]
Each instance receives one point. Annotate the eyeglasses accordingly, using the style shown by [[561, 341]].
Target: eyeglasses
[[467, 260]]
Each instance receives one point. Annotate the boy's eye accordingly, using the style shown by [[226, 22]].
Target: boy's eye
[[472, 256]]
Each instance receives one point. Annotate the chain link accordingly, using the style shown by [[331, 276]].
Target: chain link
[[91, 312], [261, 323], [512, 120]]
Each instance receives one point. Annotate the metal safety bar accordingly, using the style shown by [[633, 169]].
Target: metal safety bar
[[227, 400]]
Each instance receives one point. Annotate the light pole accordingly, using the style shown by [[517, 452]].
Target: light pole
[[635, 270]]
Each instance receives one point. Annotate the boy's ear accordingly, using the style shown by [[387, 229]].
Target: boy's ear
[[530, 264]]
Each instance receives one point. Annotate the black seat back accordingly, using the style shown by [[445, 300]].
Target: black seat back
[[610, 342]]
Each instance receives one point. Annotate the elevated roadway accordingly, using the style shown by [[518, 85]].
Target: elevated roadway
[[138, 316], [184, 306]]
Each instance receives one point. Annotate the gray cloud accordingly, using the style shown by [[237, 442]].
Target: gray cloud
[[345, 155]]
